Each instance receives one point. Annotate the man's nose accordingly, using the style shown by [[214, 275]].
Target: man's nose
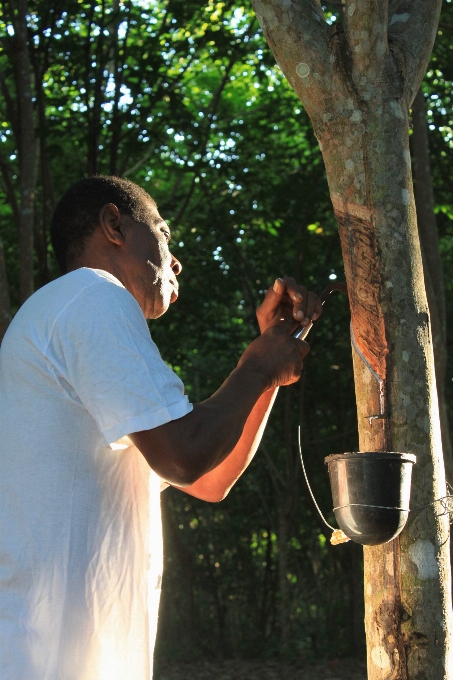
[[175, 265]]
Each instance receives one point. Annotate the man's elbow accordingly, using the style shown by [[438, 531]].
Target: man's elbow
[[207, 496], [210, 488], [185, 473], [180, 476], [178, 465], [206, 490], [189, 466], [179, 461], [214, 497]]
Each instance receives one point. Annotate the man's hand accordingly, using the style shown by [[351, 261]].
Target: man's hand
[[286, 299], [276, 355]]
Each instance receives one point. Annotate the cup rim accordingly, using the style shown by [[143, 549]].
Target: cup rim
[[377, 455]]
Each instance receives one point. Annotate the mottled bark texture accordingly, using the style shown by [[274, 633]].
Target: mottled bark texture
[[357, 80], [432, 262], [27, 142]]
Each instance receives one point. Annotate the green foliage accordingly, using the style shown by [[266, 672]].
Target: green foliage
[[438, 88], [184, 98]]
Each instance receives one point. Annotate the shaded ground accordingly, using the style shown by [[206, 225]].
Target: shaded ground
[[260, 670]]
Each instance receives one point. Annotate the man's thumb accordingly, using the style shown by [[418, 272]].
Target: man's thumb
[[273, 297], [278, 287]]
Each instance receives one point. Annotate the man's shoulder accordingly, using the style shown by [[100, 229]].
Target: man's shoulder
[[60, 293], [82, 292], [73, 284]]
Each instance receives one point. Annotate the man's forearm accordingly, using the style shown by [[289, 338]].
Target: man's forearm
[[215, 484], [185, 449]]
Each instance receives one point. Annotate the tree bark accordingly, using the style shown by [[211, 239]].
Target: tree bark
[[357, 81], [432, 263], [27, 143]]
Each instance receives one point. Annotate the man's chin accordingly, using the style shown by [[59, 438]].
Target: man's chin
[[159, 310]]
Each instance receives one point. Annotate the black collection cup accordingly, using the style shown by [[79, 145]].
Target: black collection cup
[[371, 494]]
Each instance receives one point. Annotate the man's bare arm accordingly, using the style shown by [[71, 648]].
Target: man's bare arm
[[206, 451], [285, 299], [184, 450], [215, 485]]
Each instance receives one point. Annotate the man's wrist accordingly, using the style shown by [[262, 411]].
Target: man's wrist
[[251, 371]]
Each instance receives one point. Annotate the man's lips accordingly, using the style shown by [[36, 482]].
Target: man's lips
[[174, 295]]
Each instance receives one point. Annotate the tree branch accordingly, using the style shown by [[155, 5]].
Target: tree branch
[[143, 159], [211, 109], [307, 50], [366, 33], [412, 30]]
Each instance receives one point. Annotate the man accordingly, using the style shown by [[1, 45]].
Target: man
[[94, 424]]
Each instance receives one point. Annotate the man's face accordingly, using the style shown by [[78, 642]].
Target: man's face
[[151, 268]]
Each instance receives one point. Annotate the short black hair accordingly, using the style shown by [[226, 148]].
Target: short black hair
[[77, 213]]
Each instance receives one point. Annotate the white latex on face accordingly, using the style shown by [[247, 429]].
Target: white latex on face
[[152, 269]]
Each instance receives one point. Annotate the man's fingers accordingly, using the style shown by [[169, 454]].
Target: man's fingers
[[278, 286], [285, 326], [286, 299], [279, 355], [307, 306], [295, 292], [273, 297], [298, 296], [314, 306], [318, 309], [303, 348]]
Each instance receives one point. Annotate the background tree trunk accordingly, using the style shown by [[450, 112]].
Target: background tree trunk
[[27, 144], [287, 488], [357, 80], [432, 262], [5, 305], [5, 298], [284, 521]]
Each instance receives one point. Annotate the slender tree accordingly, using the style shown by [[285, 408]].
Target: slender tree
[[357, 79], [17, 46], [432, 262], [5, 304], [287, 490]]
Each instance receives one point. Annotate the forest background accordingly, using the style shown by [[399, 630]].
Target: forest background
[[184, 98]]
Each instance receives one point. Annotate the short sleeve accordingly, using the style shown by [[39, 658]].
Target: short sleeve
[[102, 347]]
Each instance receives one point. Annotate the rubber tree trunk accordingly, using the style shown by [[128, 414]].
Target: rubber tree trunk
[[432, 262], [357, 80], [27, 144]]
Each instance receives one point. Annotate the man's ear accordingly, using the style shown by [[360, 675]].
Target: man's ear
[[112, 224]]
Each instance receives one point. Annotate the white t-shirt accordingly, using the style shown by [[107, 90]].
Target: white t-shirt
[[80, 527]]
